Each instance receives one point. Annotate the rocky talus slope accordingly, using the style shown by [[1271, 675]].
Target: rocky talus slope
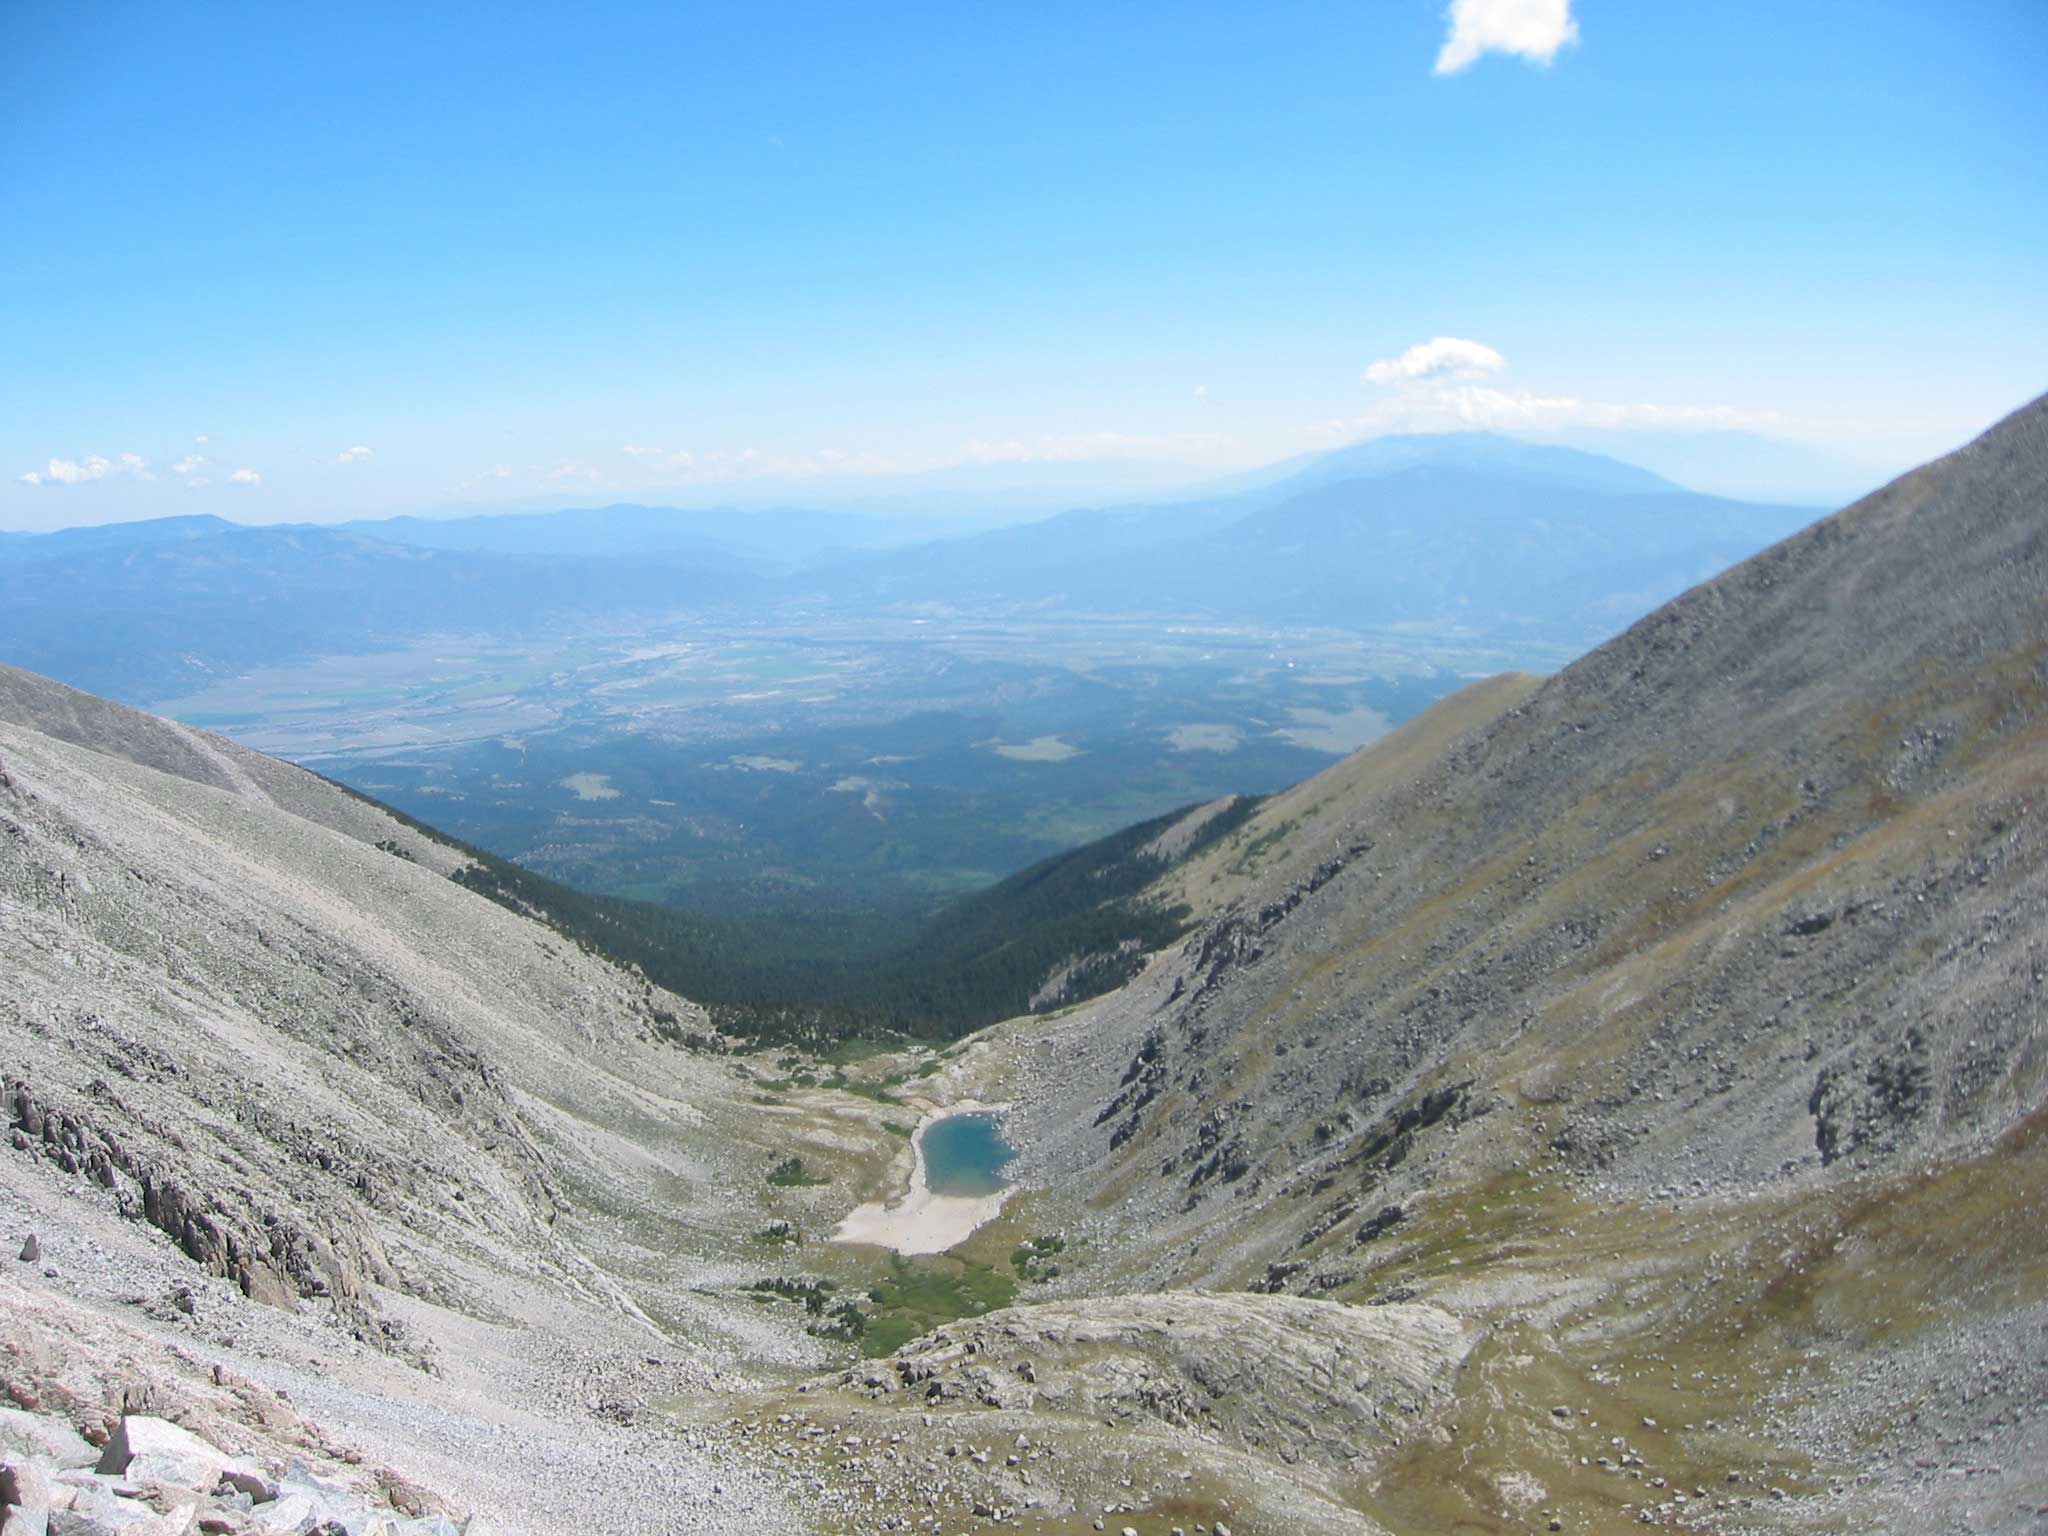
[[427, 1219], [323, 1155], [1679, 1019]]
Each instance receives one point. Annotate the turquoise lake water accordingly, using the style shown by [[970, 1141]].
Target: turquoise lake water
[[965, 1154]]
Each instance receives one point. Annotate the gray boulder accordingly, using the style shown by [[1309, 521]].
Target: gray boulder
[[145, 1449], [284, 1515], [96, 1511], [38, 1434], [246, 1477], [25, 1489]]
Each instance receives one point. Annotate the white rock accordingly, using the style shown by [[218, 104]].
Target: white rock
[[38, 1434], [97, 1512], [27, 1483], [155, 1450], [247, 1477], [284, 1515]]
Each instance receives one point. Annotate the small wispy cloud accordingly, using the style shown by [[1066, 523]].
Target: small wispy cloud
[[353, 455], [202, 439], [667, 458], [1089, 447], [190, 464], [1438, 385], [93, 466], [1531, 29], [568, 469], [245, 477], [1440, 356], [1518, 410]]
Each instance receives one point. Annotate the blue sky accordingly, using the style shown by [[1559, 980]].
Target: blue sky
[[496, 248]]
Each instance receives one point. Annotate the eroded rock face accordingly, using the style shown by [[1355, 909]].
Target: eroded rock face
[[1292, 1378], [272, 1257]]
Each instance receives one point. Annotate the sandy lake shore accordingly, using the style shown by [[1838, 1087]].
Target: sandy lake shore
[[920, 1221]]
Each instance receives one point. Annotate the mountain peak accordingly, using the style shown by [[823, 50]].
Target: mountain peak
[[1548, 462]]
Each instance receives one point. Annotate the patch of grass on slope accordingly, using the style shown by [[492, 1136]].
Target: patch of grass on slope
[[920, 1294]]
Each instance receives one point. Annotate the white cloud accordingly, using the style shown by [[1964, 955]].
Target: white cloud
[[245, 477], [1436, 387], [1088, 447], [1449, 356], [202, 439], [92, 467], [1489, 408], [352, 455], [672, 458], [683, 466], [1532, 29], [567, 470], [198, 481], [190, 463]]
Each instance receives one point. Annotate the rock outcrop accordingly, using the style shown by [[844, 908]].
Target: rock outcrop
[[1290, 1379], [155, 1478]]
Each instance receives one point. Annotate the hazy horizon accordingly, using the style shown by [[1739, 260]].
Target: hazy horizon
[[956, 500], [641, 255]]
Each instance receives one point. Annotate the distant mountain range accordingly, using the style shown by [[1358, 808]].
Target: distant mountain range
[[146, 610], [1516, 542], [770, 541], [1601, 1087], [1484, 532]]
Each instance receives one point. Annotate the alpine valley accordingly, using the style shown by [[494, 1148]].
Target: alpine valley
[[1614, 1098]]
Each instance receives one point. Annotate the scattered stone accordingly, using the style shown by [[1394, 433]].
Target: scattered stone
[[30, 1435], [32, 1250], [145, 1449], [245, 1477], [25, 1495]]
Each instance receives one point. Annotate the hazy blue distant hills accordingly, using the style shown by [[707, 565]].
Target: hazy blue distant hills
[[1481, 531], [157, 614], [1484, 547], [1505, 457], [772, 540], [1379, 456], [1502, 539], [156, 530]]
